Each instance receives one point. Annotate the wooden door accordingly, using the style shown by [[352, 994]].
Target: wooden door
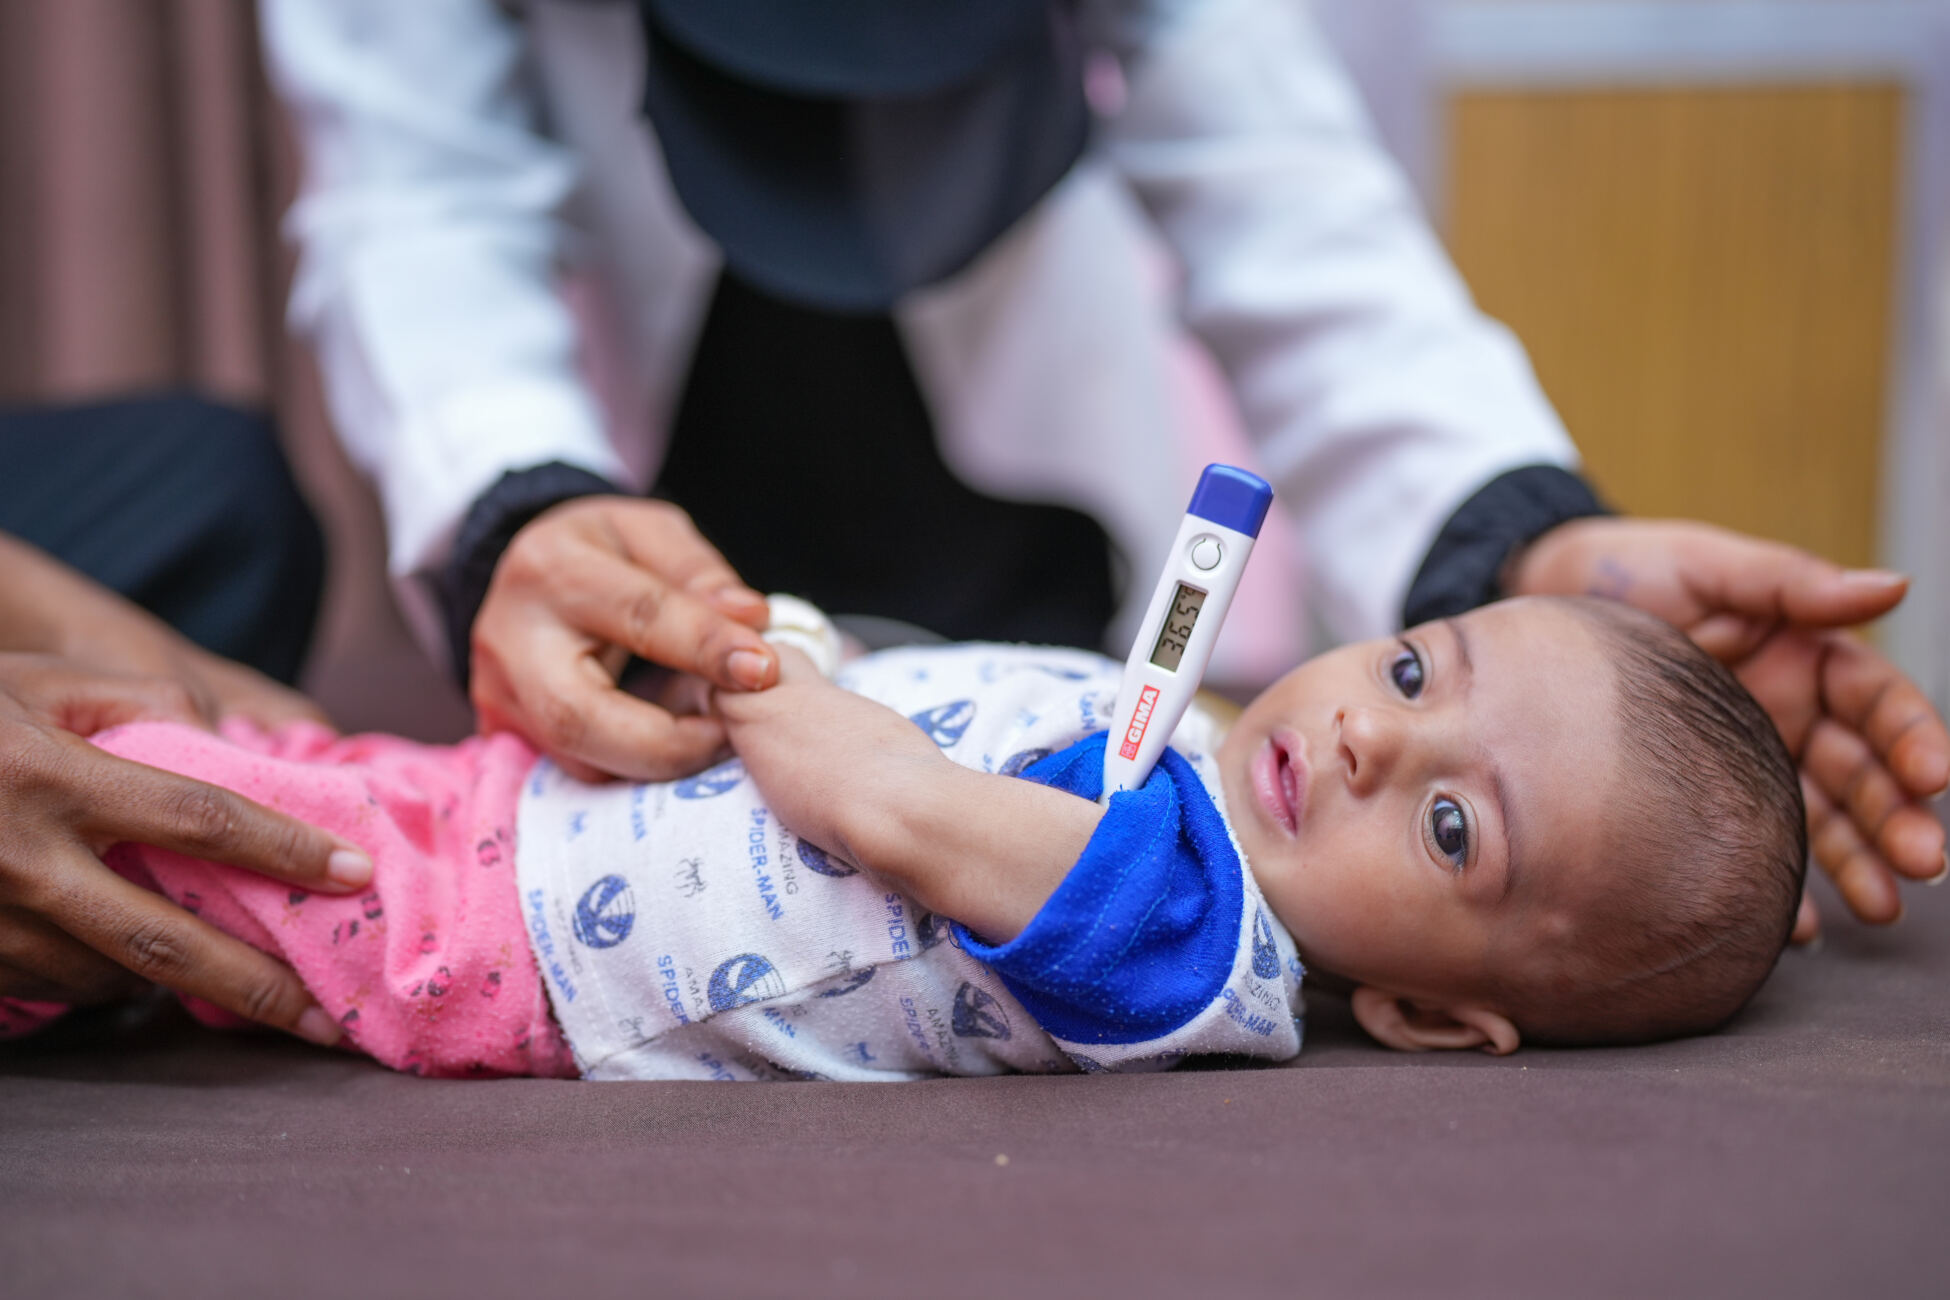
[[1703, 279]]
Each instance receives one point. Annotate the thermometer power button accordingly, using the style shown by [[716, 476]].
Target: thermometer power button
[[1207, 552]]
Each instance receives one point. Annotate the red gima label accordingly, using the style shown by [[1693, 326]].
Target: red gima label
[[1140, 719]]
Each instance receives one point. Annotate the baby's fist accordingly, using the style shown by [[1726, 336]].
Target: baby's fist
[[835, 767]]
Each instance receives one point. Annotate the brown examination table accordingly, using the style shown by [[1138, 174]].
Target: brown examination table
[[1805, 1151]]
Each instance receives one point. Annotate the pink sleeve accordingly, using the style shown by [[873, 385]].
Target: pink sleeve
[[18, 1017]]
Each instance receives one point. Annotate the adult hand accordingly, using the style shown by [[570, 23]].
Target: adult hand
[[72, 930], [1872, 750], [48, 608], [582, 587]]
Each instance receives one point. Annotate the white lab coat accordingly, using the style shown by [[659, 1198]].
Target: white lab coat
[[495, 273]]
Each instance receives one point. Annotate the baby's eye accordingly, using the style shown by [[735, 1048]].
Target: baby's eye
[[1406, 671], [1449, 831]]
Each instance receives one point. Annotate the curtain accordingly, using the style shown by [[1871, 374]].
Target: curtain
[[137, 200], [143, 167]]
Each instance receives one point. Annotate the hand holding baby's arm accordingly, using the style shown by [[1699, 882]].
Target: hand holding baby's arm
[[859, 780]]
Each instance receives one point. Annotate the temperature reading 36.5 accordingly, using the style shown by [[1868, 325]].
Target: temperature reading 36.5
[[1177, 631], [1186, 609]]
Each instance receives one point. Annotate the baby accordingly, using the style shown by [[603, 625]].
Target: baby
[[1547, 819]]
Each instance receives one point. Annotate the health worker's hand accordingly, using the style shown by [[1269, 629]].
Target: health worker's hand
[[1872, 750], [48, 608], [582, 587], [73, 931]]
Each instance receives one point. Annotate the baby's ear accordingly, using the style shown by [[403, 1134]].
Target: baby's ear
[[1411, 1025]]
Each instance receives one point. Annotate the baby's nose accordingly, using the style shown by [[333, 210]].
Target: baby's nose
[[1370, 745]]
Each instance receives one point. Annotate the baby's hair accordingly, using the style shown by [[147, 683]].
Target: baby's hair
[[1714, 845]]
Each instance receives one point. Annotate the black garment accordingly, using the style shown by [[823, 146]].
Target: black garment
[[182, 505], [804, 451]]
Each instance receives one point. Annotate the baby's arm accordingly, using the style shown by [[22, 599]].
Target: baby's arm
[[858, 779]]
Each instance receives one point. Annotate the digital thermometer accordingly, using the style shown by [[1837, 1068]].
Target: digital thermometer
[[1175, 640]]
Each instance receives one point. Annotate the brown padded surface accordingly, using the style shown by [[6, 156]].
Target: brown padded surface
[[1805, 1151]]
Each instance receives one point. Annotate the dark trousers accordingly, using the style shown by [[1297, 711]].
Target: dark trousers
[[804, 451], [184, 506]]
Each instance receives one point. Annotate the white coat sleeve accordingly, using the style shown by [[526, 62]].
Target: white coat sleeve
[[428, 243], [1380, 398]]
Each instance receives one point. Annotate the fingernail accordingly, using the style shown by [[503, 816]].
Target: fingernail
[[1875, 577], [348, 868], [735, 594], [317, 1027], [1815, 944], [748, 668], [1942, 871]]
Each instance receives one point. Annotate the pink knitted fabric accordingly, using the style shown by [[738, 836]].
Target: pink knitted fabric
[[429, 970]]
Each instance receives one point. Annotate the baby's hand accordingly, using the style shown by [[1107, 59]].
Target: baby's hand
[[864, 783], [836, 767]]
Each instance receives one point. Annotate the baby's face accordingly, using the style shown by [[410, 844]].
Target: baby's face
[[1421, 813]]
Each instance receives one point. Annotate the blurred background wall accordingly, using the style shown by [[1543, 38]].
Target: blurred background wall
[[1719, 225]]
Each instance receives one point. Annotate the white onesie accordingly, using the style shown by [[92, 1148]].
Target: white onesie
[[684, 933]]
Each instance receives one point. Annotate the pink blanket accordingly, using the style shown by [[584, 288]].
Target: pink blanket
[[429, 970]]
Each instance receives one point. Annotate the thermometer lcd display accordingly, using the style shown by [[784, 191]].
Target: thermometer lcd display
[[1177, 631]]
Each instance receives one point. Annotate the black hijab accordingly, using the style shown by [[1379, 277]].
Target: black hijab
[[845, 152]]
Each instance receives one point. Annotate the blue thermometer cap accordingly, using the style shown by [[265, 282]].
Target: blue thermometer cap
[[1232, 498]]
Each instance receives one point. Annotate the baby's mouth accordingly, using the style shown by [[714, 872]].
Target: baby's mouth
[[1280, 780]]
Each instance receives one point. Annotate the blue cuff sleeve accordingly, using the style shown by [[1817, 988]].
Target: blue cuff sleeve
[[1142, 934]]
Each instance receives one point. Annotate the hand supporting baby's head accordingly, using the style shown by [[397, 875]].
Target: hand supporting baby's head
[[1551, 820]]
